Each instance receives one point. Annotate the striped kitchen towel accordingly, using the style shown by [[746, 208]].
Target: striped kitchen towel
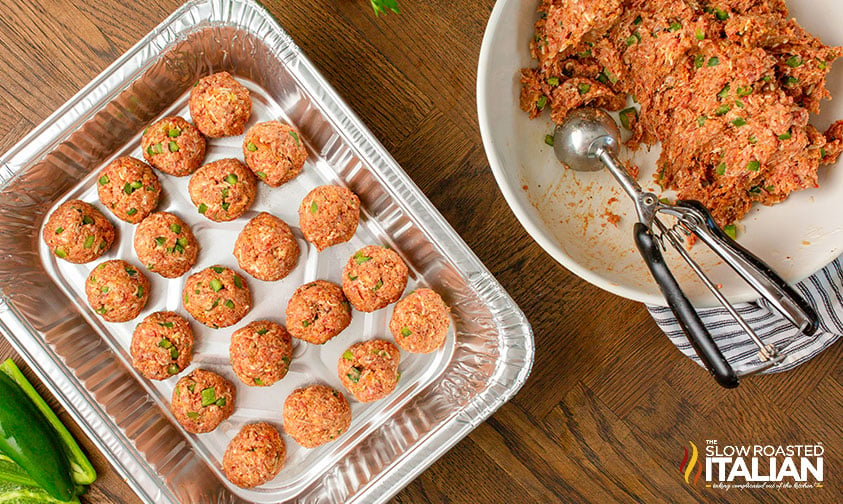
[[823, 290]]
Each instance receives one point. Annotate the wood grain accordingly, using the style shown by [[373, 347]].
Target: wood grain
[[610, 403]]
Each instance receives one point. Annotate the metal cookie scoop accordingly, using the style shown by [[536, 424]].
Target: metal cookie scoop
[[588, 140]]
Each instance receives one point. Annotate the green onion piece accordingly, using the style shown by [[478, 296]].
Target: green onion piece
[[548, 139], [541, 102], [637, 20], [225, 206], [724, 93], [612, 78], [295, 136], [377, 285], [173, 146], [174, 132], [744, 91], [159, 148], [220, 402], [175, 228], [722, 110], [731, 231], [104, 180], [89, 242], [102, 310], [229, 304], [231, 178], [258, 382], [794, 61], [791, 81], [168, 325], [785, 136], [137, 184], [191, 387], [770, 188], [172, 369], [753, 140], [699, 61], [553, 81], [186, 298], [127, 188], [174, 353], [262, 331], [131, 211], [150, 151], [721, 14], [701, 121], [192, 415], [182, 241], [209, 396], [633, 39], [215, 285], [353, 375], [238, 282], [766, 78], [753, 165], [359, 258], [739, 103], [59, 230], [261, 174], [675, 26], [583, 88], [822, 65], [131, 272], [352, 277], [140, 291], [624, 116], [822, 153], [584, 54], [203, 208], [700, 34], [738, 122], [348, 355], [217, 269], [160, 241], [313, 207], [406, 332], [251, 147], [165, 343], [713, 61], [721, 169], [285, 359], [104, 289], [87, 219]]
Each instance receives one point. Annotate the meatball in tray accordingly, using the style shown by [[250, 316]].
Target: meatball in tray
[[269, 310]]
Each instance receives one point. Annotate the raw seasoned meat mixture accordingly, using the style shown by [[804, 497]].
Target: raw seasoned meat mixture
[[725, 86]]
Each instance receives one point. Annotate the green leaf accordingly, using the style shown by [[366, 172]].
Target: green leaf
[[731, 231]]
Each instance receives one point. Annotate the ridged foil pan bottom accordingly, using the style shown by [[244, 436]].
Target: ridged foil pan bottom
[[84, 361]]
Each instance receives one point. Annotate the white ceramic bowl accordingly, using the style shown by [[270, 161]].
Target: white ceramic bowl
[[565, 211]]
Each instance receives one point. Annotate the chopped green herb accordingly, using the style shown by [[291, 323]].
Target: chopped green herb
[[258, 382], [721, 14], [722, 110], [104, 289], [348, 355], [700, 34], [150, 151], [753, 140], [548, 139], [285, 359], [721, 169], [553, 81], [744, 91], [251, 147], [793, 61], [624, 116], [738, 122], [701, 121], [127, 188], [173, 146], [59, 230], [192, 415], [822, 153], [352, 277], [174, 353], [168, 325], [173, 369], [753, 165], [238, 282], [637, 20], [405, 331], [353, 375], [192, 387], [724, 93], [174, 132], [203, 208], [159, 148], [102, 310], [217, 269], [104, 180], [231, 178], [313, 207], [731, 231], [785, 136], [699, 61], [209, 396], [791, 81], [295, 137], [181, 242], [377, 285], [675, 26], [583, 88], [186, 298], [175, 228], [131, 211], [226, 205], [739, 103], [305, 323], [89, 242], [131, 271], [87, 219], [139, 293], [215, 285], [541, 102], [633, 39], [359, 258], [262, 331], [766, 78], [229, 304], [160, 241], [261, 174], [822, 65], [713, 61]]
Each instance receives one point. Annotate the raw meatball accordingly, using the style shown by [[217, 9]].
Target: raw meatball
[[274, 151], [255, 455], [166, 245], [162, 345], [317, 312], [174, 146], [315, 415], [129, 188], [420, 321], [266, 248], [222, 190], [117, 290], [260, 353], [217, 297], [78, 232], [369, 370], [373, 278], [328, 215], [220, 106], [202, 400]]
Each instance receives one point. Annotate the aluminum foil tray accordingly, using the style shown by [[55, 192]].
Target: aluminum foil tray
[[85, 361]]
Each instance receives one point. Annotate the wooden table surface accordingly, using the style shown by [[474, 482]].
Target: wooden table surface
[[610, 403]]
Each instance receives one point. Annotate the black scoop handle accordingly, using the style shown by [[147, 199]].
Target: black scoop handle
[[689, 320]]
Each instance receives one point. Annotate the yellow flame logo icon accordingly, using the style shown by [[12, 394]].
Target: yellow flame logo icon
[[689, 462]]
